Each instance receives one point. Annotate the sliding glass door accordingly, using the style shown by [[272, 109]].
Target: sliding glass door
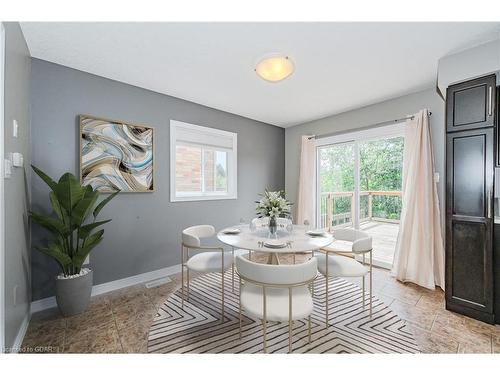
[[359, 185], [336, 183]]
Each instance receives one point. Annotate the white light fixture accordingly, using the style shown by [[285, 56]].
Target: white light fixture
[[275, 68]]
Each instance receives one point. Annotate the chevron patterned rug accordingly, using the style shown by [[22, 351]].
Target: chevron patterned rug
[[198, 329]]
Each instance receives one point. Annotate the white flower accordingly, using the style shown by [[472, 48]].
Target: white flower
[[273, 204]]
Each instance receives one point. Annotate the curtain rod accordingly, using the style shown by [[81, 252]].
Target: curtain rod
[[395, 121]]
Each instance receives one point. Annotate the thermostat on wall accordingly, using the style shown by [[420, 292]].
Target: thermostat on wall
[[17, 159]]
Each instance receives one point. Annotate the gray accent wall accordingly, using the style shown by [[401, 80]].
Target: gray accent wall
[[364, 117], [17, 187], [145, 232]]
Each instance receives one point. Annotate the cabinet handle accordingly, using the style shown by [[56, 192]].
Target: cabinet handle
[[488, 204], [490, 100]]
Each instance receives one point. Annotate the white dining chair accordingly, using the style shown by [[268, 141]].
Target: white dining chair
[[334, 262], [208, 259], [276, 293]]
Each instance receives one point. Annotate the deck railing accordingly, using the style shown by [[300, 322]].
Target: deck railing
[[329, 218]]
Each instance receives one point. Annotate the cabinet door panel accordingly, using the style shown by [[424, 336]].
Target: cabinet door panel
[[468, 276], [469, 223], [470, 105], [468, 175]]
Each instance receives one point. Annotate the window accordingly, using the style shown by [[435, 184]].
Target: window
[[202, 163]]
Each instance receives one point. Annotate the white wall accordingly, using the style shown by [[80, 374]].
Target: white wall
[[17, 187], [468, 64], [363, 117]]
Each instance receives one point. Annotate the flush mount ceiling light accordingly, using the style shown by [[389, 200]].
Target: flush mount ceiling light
[[275, 68]]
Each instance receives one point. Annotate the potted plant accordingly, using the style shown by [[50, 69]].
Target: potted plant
[[273, 204], [74, 236]]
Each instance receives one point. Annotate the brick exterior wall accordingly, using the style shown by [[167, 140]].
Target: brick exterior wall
[[188, 168]]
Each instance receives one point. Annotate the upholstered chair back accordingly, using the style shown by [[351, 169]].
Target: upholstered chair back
[[191, 236], [361, 241], [277, 274]]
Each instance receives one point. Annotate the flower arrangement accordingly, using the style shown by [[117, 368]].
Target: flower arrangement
[[273, 204]]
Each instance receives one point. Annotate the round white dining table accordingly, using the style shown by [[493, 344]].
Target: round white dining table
[[298, 241]]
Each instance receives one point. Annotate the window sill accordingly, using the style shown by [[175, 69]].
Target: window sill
[[203, 198]]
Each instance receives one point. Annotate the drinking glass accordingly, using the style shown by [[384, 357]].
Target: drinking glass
[[253, 227]]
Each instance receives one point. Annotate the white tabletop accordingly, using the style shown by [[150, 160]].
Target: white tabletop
[[249, 240]]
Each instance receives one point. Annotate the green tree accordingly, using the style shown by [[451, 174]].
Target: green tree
[[381, 168]]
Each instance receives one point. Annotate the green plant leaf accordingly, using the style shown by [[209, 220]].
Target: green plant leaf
[[54, 225], [54, 251], [86, 229], [49, 181], [83, 207], [69, 191], [91, 242], [56, 206], [104, 202]]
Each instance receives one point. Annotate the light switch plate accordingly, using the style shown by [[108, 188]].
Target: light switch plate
[[17, 159], [15, 129], [436, 177]]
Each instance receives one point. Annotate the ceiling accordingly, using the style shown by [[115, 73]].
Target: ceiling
[[339, 66]]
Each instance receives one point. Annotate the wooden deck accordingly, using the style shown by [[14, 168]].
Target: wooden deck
[[384, 236]]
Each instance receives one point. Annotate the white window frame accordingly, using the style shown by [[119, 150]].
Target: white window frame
[[231, 162]]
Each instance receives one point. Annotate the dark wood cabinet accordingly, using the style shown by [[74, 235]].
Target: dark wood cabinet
[[469, 223], [497, 121], [496, 271], [471, 104]]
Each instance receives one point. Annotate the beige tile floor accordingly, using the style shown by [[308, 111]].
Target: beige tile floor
[[118, 322]]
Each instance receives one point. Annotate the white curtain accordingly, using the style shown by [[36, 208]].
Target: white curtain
[[419, 255], [305, 200]]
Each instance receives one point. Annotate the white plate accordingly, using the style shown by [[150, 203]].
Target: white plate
[[274, 244], [231, 231], [316, 232]]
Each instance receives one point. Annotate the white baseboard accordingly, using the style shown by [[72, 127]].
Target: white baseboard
[[18, 342], [50, 302]]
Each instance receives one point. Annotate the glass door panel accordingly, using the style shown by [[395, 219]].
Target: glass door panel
[[380, 179], [359, 186], [336, 167]]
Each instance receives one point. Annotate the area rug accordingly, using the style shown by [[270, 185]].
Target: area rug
[[198, 329]]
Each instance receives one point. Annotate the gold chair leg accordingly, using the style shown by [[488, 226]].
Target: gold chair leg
[[249, 255], [293, 258], [222, 312], [222, 294], [240, 308], [187, 275], [289, 320], [264, 335], [309, 328], [264, 319], [182, 276], [232, 271], [326, 301], [371, 285], [312, 284], [232, 277], [182, 286], [363, 278]]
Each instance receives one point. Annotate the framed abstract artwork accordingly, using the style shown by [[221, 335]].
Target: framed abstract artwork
[[115, 155]]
